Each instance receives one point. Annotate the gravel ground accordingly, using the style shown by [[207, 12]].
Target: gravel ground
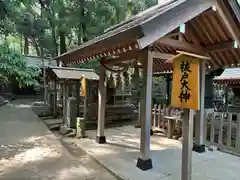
[[29, 151]]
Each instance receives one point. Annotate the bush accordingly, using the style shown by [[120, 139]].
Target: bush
[[13, 66]]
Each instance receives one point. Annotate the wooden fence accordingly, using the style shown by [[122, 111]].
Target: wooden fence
[[221, 129]]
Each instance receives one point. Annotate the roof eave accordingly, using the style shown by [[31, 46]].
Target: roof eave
[[176, 15], [124, 36]]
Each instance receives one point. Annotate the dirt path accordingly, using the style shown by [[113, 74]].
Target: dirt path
[[29, 151]]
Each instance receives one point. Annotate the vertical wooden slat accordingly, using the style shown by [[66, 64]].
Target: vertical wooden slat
[[212, 129], [155, 115], [152, 116], [164, 114], [159, 115], [164, 110], [229, 131], [205, 127], [238, 133], [220, 134]]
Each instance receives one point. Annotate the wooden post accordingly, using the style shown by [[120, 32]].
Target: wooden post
[[168, 81], [220, 134], [187, 145], [212, 128], [85, 110], [238, 133], [65, 97], [199, 145], [78, 98], [55, 100], [63, 101], [159, 116], [101, 139], [144, 161], [155, 122], [229, 131]]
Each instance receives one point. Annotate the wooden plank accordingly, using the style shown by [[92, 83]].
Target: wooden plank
[[229, 131], [220, 134], [228, 20], [159, 115], [181, 45], [238, 133], [212, 129], [162, 25], [220, 46], [205, 127], [186, 173], [124, 57], [161, 55], [155, 116]]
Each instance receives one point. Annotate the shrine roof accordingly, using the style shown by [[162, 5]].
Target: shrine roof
[[65, 73], [229, 76], [211, 29]]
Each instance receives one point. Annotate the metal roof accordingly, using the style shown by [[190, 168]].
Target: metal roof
[[73, 73], [229, 74]]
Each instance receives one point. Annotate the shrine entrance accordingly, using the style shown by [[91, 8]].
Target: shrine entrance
[[152, 39]]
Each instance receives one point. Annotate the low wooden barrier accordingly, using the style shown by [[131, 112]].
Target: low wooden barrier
[[223, 131]]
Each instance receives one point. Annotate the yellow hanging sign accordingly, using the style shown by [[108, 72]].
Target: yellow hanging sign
[[83, 87], [185, 84]]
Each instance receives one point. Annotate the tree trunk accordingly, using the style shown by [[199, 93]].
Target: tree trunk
[[36, 47], [26, 45], [81, 27], [54, 39], [44, 76], [63, 47]]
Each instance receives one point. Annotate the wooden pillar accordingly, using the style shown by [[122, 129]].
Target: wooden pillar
[[101, 139], [226, 88], [65, 97], [187, 145], [141, 103], [144, 161], [85, 110], [55, 114], [168, 81], [77, 98], [199, 124]]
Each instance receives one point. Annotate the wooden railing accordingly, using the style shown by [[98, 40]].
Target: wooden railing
[[160, 122], [221, 129]]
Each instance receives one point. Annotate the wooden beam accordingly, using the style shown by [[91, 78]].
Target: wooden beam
[[124, 57], [181, 12], [159, 55], [228, 20], [181, 45], [236, 8], [220, 46]]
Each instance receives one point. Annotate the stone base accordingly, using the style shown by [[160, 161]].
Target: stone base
[[198, 148], [101, 139], [144, 164]]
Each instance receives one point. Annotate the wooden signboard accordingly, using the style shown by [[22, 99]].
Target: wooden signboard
[[83, 87], [185, 84]]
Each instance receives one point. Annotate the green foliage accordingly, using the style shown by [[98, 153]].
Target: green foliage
[[39, 23], [14, 66]]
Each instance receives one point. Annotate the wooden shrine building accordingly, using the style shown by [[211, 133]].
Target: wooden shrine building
[[70, 79], [151, 39], [231, 79]]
